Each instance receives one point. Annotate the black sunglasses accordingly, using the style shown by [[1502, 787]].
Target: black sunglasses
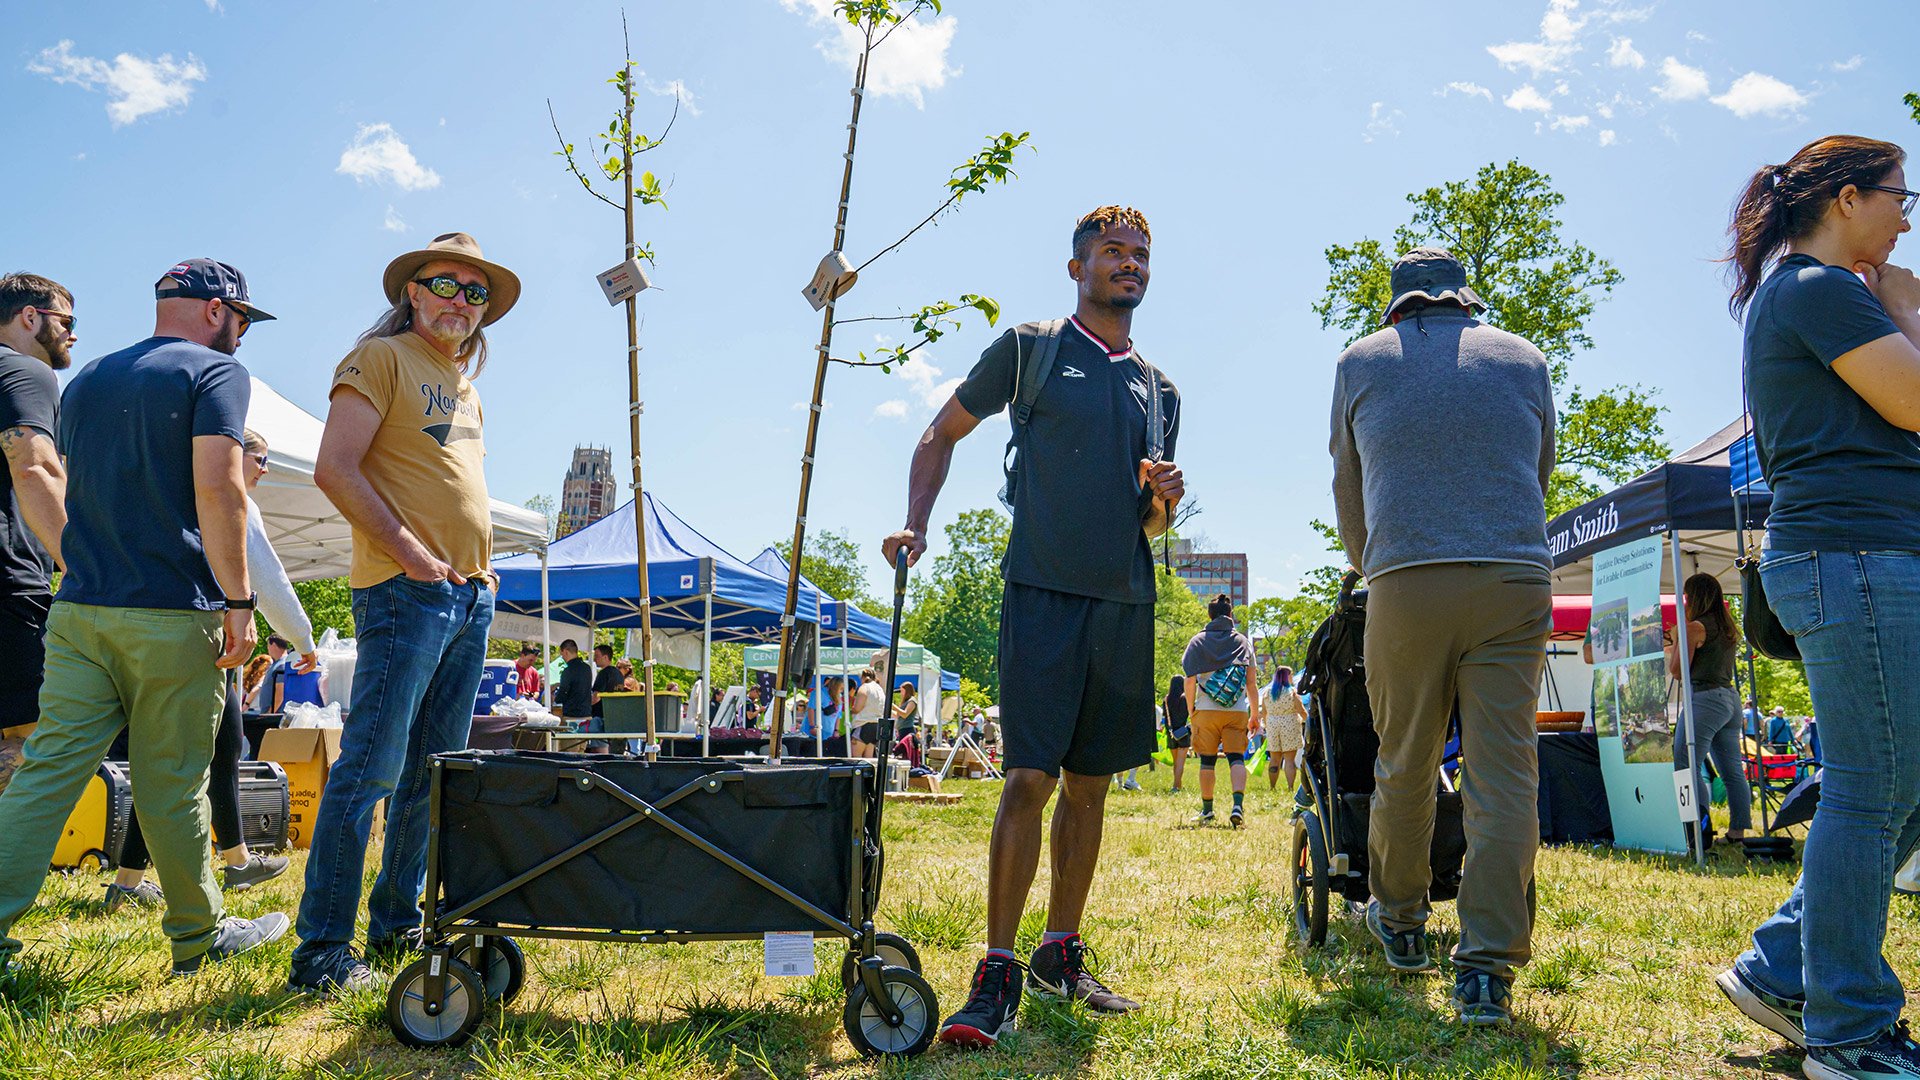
[[1907, 198], [67, 315], [246, 320], [259, 459], [447, 288]]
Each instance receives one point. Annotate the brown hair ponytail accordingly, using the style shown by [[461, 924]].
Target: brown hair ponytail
[[1782, 203]]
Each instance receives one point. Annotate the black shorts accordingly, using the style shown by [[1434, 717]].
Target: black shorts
[[1076, 682], [868, 732], [23, 626]]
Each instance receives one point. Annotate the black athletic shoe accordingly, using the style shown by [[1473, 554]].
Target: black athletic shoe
[[1406, 949], [396, 950], [1892, 1053], [1482, 999], [1782, 1016], [990, 1009], [1060, 968]]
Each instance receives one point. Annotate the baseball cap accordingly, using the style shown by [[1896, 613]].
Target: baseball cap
[[205, 279]]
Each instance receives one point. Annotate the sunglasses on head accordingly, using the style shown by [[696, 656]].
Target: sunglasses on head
[[446, 288]]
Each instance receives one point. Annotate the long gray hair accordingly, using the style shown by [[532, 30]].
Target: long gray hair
[[399, 319]]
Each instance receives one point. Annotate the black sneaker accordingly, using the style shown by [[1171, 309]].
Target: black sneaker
[[332, 971], [1782, 1016], [1406, 949], [235, 936], [990, 1009], [1237, 816], [1482, 999], [1060, 968], [1892, 1053], [396, 950]]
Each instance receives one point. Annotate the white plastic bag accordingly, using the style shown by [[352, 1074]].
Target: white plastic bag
[[301, 714], [337, 656]]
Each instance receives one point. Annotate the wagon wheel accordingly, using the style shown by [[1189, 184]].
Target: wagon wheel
[[415, 1024], [501, 965], [892, 949], [867, 1027], [1311, 882]]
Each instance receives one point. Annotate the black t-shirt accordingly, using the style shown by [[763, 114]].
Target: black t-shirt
[[1076, 507], [574, 694], [1843, 478], [607, 680], [29, 398]]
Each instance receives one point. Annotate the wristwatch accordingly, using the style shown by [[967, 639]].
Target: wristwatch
[[252, 601]]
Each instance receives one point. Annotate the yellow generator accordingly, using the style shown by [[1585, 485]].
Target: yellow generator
[[97, 828]]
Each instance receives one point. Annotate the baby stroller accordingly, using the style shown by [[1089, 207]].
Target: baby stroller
[[1330, 834]]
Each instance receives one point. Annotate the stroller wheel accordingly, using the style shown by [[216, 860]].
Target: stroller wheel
[[1311, 882], [501, 965], [417, 1023], [892, 949], [868, 1028]]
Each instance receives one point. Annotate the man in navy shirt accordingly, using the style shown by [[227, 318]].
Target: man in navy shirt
[[154, 606], [36, 339], [1076, 621]]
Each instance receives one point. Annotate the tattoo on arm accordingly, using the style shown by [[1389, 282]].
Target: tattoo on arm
[[17, 442]]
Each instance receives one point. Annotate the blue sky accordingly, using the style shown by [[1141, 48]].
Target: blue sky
[[309, 144]]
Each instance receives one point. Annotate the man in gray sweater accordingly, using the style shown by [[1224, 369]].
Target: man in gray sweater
[[1442, 447]]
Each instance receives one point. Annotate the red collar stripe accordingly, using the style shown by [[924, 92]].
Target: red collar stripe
[[1112, 354]]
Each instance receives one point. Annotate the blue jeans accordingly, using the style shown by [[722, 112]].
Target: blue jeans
[[1856, 616], [422, 647]]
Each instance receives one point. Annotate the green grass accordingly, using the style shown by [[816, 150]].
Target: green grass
[[1195, 922]]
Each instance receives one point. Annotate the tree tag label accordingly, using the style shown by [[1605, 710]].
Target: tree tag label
[[623, 281], [831, 279]]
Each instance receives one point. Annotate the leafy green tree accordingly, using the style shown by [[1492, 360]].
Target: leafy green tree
[[835, 563], [1177, 615], [1282, 626], [956, 609], [1913, 102], [327, 602], [1503, 227]]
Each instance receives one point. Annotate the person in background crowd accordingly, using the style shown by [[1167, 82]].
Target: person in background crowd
[[832, 706], [606, 680], [750, 712], [631, 685], [1751, 717], [36, 340], [1832, 365], [1714, 642], [1076, 621], [1221, 694], [148, 620], [1174, 713], [279, 652], [1285, 719], [402, 458], [527, 671], [713, 702], [869, 704], [1781, 737], [1451, 536], [573, 695], [251, 678], [906, 712]]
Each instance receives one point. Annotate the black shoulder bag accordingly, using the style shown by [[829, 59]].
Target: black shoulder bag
[[1757, 620]]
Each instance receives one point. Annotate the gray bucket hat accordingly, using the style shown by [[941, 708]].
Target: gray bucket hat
[[1429, 274]]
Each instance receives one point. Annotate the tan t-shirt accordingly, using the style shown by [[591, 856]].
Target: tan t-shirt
[[426, 459]]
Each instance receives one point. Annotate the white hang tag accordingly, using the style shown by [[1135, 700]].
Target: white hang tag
[[831, 279], [789, 952]]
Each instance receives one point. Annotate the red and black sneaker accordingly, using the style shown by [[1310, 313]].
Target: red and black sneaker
[[990, 1009], [1060, 968]]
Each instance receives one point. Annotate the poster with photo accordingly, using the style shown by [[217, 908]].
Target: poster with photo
[[1633, 717]]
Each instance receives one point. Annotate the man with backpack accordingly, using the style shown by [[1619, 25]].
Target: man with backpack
[[1089, 476]]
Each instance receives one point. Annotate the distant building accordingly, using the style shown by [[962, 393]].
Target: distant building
[[589, 492], [1210, 573]]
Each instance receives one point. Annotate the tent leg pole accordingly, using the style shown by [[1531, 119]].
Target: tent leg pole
[[546, 630], [1686, 697], [706, 677], [819, 706]]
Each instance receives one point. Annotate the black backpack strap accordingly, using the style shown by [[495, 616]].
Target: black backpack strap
[[1156, 415], [1031, 376]]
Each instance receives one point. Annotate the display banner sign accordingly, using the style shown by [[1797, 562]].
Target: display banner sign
[[1631, 713]]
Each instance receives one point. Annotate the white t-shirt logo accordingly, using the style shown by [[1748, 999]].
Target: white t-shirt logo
[[1071, 372]]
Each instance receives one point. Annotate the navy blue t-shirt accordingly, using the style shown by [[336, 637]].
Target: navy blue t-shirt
[[1843, 478], [127, 425]]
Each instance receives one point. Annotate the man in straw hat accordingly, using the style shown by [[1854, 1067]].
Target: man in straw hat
[[401, 458], [1451, 534]]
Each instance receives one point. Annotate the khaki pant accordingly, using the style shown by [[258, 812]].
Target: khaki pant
[[1475, 634]]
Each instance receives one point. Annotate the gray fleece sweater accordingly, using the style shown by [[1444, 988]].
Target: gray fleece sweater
[[1442, 445]]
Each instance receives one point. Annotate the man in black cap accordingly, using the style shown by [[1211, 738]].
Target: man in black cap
[[154, 606], [1451, 534]]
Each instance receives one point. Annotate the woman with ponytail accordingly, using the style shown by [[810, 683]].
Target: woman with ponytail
[[1832, 364], [1712, 642]]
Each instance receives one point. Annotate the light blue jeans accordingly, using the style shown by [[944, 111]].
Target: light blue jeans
[[1856, 617], [422, 647]]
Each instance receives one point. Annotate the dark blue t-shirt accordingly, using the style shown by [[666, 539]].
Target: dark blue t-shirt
[[127, 425], [1843, 479]]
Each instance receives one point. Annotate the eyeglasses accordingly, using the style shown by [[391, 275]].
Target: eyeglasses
[[1907, 198], [447, 288], [259, 459], [67, 315]]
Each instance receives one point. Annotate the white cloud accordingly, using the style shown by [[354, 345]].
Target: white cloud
[[1527, 99], [1605, 111], [1467, 88], [1571, 123], [135, 87], [673, 88], [912, 62], [1680, 82], [1623, 54], [1607, 137], [1561, 89], [377, 153], [393, 222], [891, 410], [1536, 56], [924, 382], [1382, 122], [1753, 94], [1697, 37], [1851, 63]]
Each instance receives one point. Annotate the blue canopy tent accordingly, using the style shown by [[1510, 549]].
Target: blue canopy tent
[[701, 593]]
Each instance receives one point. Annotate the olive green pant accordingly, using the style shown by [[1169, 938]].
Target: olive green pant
[[1475, 635], [150, 672]]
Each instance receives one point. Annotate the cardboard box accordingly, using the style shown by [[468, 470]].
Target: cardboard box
[[924, 783], [307, 755]]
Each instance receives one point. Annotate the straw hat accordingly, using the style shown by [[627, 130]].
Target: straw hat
[[503, 285]]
